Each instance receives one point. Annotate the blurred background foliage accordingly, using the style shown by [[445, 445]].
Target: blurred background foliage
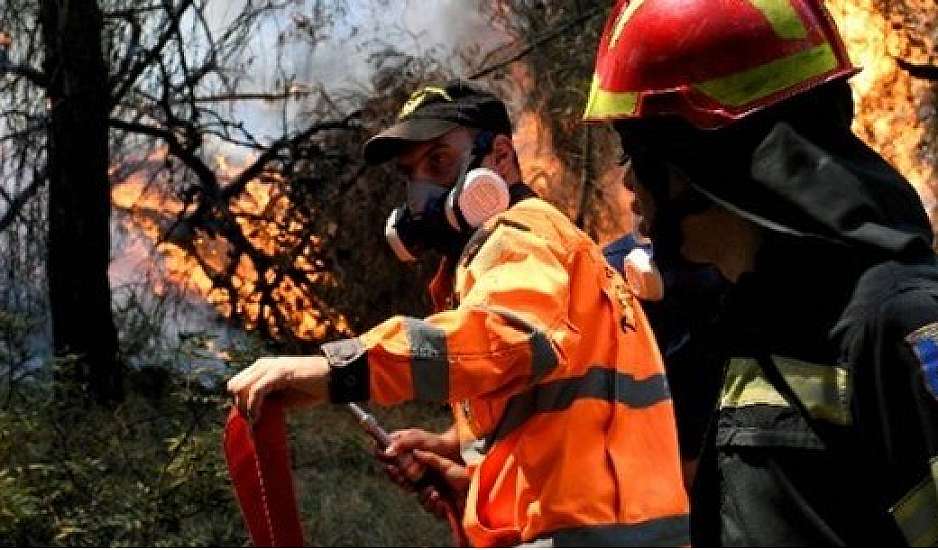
[[150, 472]]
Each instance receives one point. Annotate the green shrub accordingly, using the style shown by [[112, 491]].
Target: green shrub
[[151, 471]]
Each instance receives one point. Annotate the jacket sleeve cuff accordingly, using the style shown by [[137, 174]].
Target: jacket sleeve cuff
[[349, 378]]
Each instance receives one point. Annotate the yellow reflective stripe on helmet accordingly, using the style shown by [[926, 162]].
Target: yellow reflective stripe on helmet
[[782, 16], [623, 18], [917, 512], [748, 86], [823, 389], [605, 104]]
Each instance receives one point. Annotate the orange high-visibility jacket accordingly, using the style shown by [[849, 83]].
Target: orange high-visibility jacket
[[549, 359]]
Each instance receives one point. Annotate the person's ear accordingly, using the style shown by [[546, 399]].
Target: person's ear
[[503, 154]]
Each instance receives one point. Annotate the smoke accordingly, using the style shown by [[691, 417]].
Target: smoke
[[328, 47]]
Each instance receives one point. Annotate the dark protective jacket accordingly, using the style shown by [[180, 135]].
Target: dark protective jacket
[[826, 429]]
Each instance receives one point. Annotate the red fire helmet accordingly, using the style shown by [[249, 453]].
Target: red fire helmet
[[711, 62]]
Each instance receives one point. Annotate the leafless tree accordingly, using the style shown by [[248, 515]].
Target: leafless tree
[[117, 77]]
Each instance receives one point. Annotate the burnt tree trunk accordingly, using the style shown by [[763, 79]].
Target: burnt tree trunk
[[79, 201]]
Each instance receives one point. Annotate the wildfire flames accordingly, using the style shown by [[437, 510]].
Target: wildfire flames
[[208, 266], [896, 116]]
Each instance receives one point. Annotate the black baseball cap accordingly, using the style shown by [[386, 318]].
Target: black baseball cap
[[432, 111]]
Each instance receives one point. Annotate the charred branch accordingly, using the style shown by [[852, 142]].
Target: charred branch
[[16, 204], [922, 71]]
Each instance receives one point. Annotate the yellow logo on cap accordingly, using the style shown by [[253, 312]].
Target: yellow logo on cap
[[420, 97]]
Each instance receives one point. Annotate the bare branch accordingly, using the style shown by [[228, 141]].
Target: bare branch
[[252, 171], [546, 37], [32, 74], [153, 53], [20, 200], [132, 47], [131, 12], [923, 71], [251, 96]]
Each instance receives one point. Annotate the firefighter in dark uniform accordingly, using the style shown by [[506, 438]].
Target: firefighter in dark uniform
[[736, 117]]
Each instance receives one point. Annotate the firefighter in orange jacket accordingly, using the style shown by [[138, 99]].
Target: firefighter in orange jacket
[[539, 347]]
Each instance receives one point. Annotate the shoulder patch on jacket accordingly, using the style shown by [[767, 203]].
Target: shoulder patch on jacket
[[924, 342]]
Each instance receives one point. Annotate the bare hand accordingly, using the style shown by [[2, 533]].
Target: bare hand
[[301, 381], [454, 473], [403, 469], [444, 444], [438, 452]]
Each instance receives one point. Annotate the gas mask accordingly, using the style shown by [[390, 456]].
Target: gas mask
[[438, 218]]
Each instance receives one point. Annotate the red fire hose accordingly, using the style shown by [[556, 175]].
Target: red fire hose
[[259, 465]]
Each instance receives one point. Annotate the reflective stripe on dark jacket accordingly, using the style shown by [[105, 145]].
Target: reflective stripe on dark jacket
[[826, 433]]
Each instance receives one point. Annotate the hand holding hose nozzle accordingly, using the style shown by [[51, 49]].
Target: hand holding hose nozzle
[[436, 493], [406, 462]]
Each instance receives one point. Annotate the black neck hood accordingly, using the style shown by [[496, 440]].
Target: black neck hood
[[797, 170]]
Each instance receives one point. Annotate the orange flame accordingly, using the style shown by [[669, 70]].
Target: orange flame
[[202, 265], [889, 102], [559, 182]]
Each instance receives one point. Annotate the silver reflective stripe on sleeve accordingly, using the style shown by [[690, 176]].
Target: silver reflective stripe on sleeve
[[823, 389], [597, 383], [543, 358], [917, 512], [667, 531], [429, 363]]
